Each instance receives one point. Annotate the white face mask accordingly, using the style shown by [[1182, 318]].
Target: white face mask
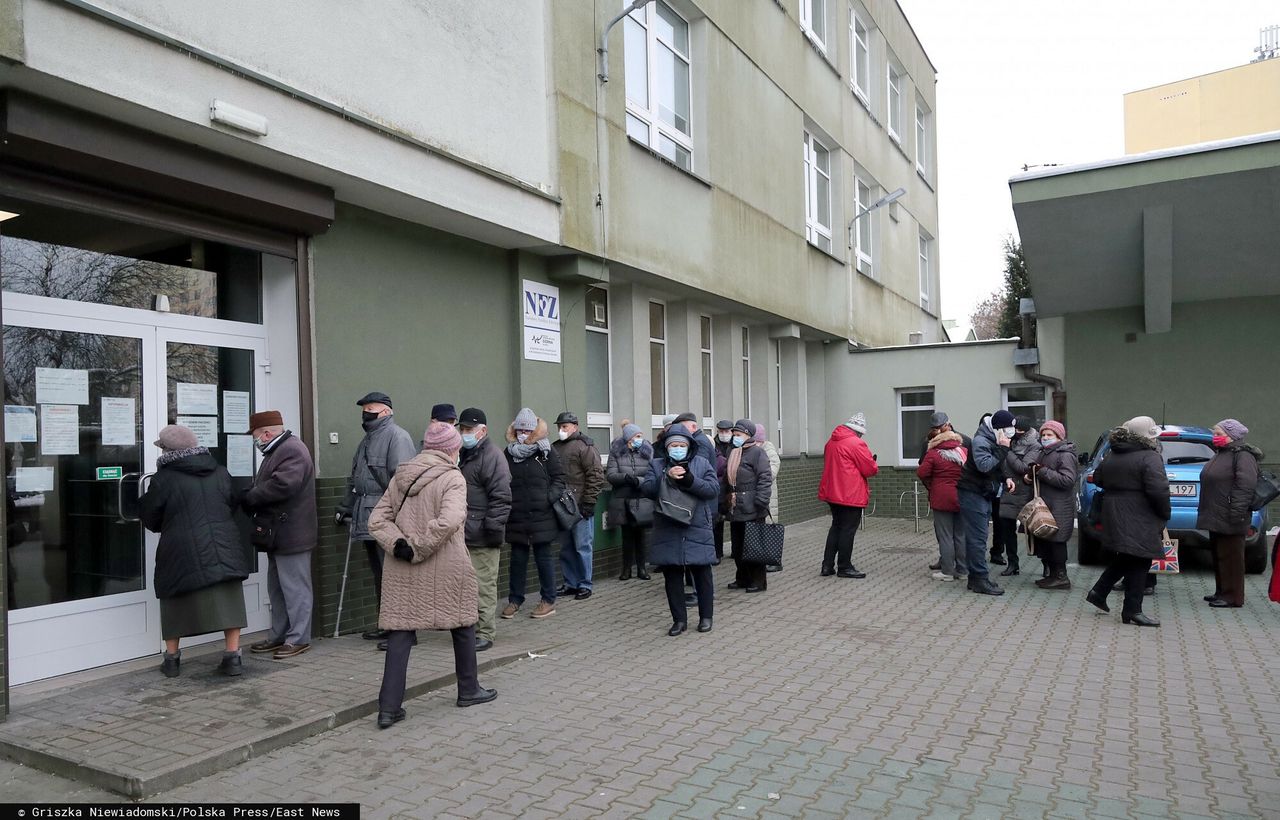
[[725, 437], [564, 434], [1010, 431], [522, 437]]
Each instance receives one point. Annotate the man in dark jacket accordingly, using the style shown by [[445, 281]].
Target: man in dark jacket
[[723, 447], [488, 505], [979, 486], [584, 474], [384, 446], [283, 500]]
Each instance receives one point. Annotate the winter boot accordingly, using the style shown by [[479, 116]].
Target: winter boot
[[172, 665], [642, 571], [1058, 580]]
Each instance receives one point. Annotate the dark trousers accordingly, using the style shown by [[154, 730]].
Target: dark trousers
[[1054, 554], [1133, 570], [702, 583], [975, 514], [717, 530], [1006, 539], [1228, 566], [519, 569], [633, 548], [997, 546], [396, 667], [375, 553], [844, 526], [749, 574]]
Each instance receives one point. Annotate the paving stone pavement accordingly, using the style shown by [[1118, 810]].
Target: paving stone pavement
[[894, 696]]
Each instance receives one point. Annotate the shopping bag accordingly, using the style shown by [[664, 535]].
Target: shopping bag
[[1168, 565], [1036, 516], [762, 542]]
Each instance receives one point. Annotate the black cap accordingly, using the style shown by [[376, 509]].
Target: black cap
[[1021, 423], [375, 396], [724, 424], [566, 418], [685, 417], [473, 416], [444, 412]]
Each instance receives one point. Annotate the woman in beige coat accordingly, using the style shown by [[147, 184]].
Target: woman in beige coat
[[431, 583]]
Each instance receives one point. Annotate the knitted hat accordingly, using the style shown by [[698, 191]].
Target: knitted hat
[[1056, 428], [267, 418], [672, 437], [1142, 427], [526, 419], [857, 423], [176, 437], [746, 426], [759, 436], [442, 436], [1022, 424], [1001, 419], [630, 431], [1234, 429], [669, 419]]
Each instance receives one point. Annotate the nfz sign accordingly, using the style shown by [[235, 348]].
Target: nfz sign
[[541, 325]]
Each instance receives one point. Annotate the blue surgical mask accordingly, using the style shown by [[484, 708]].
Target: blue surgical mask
[[635, 443], [738, 441], [469, 440], [677, 453]]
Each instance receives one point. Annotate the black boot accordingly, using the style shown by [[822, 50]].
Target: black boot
[[1058, 580], [626, 573], [628, 558], [172, 665], [641, 571]]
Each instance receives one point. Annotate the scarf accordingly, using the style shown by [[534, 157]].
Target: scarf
[[170, 456], [519, 452], [735, 461]]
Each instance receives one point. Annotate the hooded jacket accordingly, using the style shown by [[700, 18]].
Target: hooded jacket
[[675, 544], [1057, 475], [580, 461], [536, 482], [1135, 497], [384, 446], [488, 493], [940, 470], [627, 469], [190, 503], [426, 505], [1024, 451], [983, 472], [846, 466], [1227, 484]]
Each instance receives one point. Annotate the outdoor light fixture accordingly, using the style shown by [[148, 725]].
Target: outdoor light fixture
[[887, 199], [603, 51], [238, 118]]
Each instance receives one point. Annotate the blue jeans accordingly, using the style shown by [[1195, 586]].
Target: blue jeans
[[576, 552], [520, 567], [975, 514]]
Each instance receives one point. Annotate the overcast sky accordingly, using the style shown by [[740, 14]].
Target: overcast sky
[[1026, 82]]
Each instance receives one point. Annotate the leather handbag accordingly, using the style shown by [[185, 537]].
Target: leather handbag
[[1036, 517], [565, 508], [762, 542], [263, 535], [674, 503]]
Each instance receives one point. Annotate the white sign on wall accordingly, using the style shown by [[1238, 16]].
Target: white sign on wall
[[541, 324]]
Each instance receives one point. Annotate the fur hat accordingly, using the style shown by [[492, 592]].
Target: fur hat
[[857, 423], [176, 437], [1234, 429], [1142, 427], [442, 436], [1056, 428], [526, 419]]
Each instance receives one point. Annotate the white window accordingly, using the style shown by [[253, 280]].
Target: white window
[[817, 193], [915, 406], [704, 330], [922, 140], [926, 272], [657, 362], [1030, 401], [777, 388], [746, 372], [599, 372], [895, 102], [860, 57], [813, 19], [862, 234], [658, 82]]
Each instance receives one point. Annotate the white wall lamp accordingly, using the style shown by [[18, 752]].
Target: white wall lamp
[[887, 199], [238, 118], [603, 50]]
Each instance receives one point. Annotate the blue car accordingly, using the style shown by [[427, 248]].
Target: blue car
[[1185, 450]]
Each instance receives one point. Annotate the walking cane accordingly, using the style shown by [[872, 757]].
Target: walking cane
[[342, 592]]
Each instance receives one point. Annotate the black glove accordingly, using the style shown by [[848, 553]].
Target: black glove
[[633, 480], [585, 513], [403, 551], [341, 519]]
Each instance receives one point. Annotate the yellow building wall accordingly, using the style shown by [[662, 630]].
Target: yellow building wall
[[1236, 102]]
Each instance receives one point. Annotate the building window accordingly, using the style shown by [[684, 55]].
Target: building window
[[657, 361], [817, 191], [1030, 401], [599, 373], [658, 82], [813, 19], [895, 102], [707, 405], [915, 406], [746, 372], [862, 236], [860, 57], [926, 273], [777, 388], [922, 140]]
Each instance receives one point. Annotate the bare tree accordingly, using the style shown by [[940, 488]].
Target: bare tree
[[986, 316]]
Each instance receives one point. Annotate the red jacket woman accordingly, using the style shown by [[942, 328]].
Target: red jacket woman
[[941, 469], [847, 466]]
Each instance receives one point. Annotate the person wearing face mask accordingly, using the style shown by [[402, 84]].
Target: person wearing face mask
[[1056, 473], [723, 447], [979, 487], [1227, 485], [1024, 453], [537, 479], [283, 500], [629, 509], [488, 504], [847, 463], [680, 547], [775, 464], [384, 446], [585, 475], [749, 485]]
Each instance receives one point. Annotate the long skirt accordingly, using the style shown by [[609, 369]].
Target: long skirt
[[212, 609]]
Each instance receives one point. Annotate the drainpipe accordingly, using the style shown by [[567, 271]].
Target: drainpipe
[[1029, 363]]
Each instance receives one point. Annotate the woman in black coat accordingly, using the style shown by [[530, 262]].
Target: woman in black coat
[[1135, 509], [748, 484], [1056, 474], [201, 559], [1227, 484], [629, 510], [537, 480]]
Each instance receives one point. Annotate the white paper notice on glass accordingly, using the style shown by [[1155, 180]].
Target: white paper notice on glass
[[197, 399], [60, 430], [57, 386], [33, 479], [19, 424], [235, 411], [205, 428], [117, 421], [240, 455]]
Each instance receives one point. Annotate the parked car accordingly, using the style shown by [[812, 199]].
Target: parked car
[[1185, 450]]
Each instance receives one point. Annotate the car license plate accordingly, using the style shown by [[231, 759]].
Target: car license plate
[[1183, 490]]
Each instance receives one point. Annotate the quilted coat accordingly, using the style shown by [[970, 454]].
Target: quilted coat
[[535, 483], [437, 589], [846, 466], [627, 468], [676, 544], [1057, 474], [1024, 452], [1227, 484], [939, 471], [1135, 498]]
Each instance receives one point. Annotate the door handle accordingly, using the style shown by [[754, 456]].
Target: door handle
[[121, 518]]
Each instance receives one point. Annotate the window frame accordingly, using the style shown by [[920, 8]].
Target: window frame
[[649, 117], [1045, 402], [777, 365], [806, 22], [597, 419], [923, 154], [859, 80], [925, 254], [708, 383], [899, 392], [746, 371], [865, 258], [813, 228], [893, 81], [655, 420]]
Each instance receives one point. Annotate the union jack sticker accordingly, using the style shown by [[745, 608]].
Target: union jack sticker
[[1167, 565]]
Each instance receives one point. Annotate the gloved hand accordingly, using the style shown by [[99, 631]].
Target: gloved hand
[[341, 519], [403, 551], [633, 480], [586, 513]]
